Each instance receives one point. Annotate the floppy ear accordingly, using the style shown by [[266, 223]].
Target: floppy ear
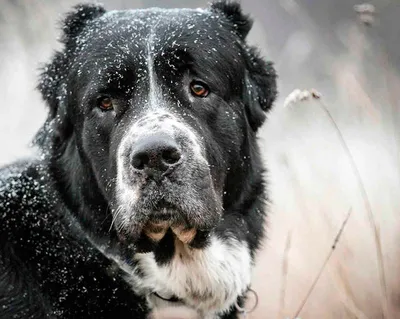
[[241, 23], [51, 81], [260, 82], [260, 86]]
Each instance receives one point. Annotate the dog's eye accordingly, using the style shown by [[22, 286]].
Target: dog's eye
[[105, 103], [199, 89]]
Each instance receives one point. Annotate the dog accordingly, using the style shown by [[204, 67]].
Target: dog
[[148, 191]]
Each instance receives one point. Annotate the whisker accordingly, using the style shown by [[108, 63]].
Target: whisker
[[117, 212]]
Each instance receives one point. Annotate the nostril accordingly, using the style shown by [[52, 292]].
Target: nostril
[[140, 160], [155, 154], [171, 156]]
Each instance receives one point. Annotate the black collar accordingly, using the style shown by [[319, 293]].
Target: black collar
[[171, 299], [238, 304]]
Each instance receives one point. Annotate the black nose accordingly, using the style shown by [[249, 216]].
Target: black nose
[[155, 154]]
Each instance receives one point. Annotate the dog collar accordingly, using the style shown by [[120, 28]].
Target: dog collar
[[244, 311], [170, 299]]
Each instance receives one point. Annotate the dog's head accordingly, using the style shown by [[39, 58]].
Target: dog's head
[[160, 108]]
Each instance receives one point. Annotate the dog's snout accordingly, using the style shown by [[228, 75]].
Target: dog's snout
[[155, 154]]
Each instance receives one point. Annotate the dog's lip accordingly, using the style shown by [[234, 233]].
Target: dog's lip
[[163, 207], [164, 204], [163, 214]]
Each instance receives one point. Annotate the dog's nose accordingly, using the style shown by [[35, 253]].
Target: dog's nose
[[155, 154]]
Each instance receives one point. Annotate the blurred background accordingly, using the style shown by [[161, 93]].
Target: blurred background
[[351, 55]]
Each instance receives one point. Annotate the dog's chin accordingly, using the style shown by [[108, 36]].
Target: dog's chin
[[153, 221]]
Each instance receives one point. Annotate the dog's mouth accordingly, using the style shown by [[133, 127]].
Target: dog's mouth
[[164, 211], [152, 217], [165, 216]]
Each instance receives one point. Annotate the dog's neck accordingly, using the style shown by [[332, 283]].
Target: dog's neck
[[211, 280]]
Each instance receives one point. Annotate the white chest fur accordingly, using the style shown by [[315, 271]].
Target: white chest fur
[[208, 280]]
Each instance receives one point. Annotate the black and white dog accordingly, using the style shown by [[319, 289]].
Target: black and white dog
[[150, 189]]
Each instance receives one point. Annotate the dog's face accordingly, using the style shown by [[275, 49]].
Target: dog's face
[[162, 106]]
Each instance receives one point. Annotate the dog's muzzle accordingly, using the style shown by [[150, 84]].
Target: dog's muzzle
[[164, 181]]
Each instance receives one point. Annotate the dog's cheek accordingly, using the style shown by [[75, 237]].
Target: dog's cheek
[[226, 137], [95, 143]]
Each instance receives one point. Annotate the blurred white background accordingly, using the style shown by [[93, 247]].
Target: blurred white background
[[321, 44]]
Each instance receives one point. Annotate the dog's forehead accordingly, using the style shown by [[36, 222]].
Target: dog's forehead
[[132, 30], [154, 16]]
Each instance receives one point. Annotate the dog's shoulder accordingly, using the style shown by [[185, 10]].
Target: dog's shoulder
[[25, 195], [22, 203], [42, 245]]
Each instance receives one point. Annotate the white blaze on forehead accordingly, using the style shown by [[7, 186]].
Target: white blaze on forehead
[[157, 118], [154, 89]]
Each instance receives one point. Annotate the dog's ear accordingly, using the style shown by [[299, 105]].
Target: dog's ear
[[51, 82], [260, 86], [54, 72], [260, 80], [76, 20], [241, 23]]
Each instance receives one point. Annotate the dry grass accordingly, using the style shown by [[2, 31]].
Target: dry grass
[[313, 180], [328, 257], [285, 264], [368, 208]]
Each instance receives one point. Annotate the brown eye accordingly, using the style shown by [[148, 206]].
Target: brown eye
[[105, 103], [199, 89]]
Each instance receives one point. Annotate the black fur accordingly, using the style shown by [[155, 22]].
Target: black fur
[[53, 209]]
